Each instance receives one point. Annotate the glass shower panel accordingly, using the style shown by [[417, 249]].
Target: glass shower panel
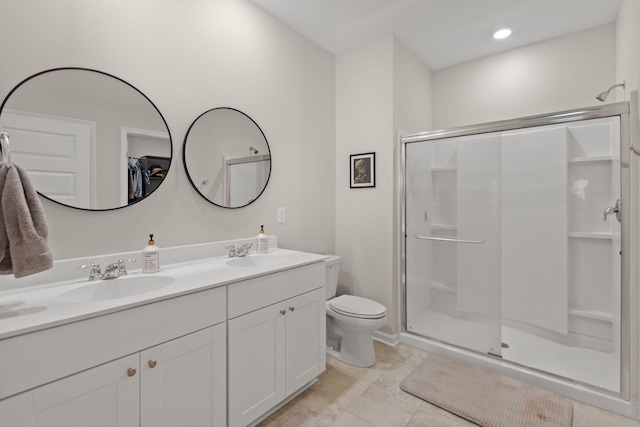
[[513, 246], [452, 240]]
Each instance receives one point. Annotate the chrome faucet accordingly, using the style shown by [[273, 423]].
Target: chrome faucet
[[239, 251], [113, 270], [244, 249], [95, 272]]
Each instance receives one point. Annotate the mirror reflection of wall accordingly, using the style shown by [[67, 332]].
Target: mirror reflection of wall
[[227, 157], [74, 131]]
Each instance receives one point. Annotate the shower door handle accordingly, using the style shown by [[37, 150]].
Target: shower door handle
[[447, 239], [613, 210]]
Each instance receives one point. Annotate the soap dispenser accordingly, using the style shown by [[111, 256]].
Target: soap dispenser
[[263, 242], [151, 257]]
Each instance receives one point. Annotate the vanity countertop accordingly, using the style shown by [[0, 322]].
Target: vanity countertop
[[40, 307]]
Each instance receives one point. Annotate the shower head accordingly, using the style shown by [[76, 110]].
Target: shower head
[[603, 95], [252, 151]]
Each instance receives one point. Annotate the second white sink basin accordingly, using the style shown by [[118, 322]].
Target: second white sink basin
[[116, 288], [256, 261]]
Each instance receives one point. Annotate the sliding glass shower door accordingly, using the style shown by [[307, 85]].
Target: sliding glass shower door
[[513, 246], [453, 241]]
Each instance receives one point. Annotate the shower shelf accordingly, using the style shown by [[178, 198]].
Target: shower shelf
[[443, 287], [590, 159], [592, 314], [448, 227], [443, 168], [591, 235]]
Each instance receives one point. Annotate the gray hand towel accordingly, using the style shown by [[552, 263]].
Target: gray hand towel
[[24, 248]]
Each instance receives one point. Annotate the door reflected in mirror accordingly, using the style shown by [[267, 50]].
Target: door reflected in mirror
[[88, 140], [227, 157]]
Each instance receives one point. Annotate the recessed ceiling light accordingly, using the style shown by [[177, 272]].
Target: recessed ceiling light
[[502, 33]]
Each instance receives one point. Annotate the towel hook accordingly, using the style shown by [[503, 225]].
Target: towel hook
[[5, 147]]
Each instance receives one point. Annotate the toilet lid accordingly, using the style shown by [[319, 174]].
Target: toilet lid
[[353, 306]]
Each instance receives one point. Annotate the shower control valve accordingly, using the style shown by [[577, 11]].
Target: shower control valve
[[613, 210]]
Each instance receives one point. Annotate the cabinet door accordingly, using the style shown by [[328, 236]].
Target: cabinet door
[[256, 363], [305, 339], [105, 396], [183, 381]]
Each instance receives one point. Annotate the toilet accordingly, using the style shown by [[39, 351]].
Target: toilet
[[350, 321]]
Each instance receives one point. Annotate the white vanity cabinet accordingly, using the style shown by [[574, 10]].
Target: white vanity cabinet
[[199, 356], [71, 378], [182, 382], [276, 339], [167, 385], [102, 396]]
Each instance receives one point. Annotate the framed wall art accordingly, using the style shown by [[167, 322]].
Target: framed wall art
[[363, 170]]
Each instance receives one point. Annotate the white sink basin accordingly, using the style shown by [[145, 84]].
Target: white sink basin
[[256, 261], [116, 288]]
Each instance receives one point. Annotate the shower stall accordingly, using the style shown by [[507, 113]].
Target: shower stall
[[516, 248]]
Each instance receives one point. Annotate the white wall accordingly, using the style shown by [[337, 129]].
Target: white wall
[[188, 57], [411, 91], [364, 123], [554, 75], [627, 48], [380, 87]]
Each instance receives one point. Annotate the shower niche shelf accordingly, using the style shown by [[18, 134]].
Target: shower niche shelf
[[590, 159], [594, 235], [444, 227], [443, 169]]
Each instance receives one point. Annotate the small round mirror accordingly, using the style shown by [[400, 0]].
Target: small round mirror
[[227, 157], [88, 140]]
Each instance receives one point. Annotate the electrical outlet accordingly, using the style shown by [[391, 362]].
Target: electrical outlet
[[282, 215]]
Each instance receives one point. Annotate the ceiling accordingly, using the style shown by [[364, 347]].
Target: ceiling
[[441, 33]]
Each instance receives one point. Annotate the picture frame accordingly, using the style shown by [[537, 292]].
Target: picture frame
[[363, 170]]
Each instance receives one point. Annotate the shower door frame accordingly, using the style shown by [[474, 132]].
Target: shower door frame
[[628, 114]]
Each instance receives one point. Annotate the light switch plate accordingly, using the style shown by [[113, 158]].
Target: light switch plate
[[282, 215]]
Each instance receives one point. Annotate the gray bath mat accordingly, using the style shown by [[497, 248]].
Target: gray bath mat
[[486, 398]]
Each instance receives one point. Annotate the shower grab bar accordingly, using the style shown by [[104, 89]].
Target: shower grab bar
[[446, 239]]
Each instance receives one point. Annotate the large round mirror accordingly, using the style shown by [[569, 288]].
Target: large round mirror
[[227, 157], [88, 140]]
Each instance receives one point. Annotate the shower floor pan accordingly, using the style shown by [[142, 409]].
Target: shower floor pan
[[600, 369]]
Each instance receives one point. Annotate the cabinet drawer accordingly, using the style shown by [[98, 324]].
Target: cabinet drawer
[[33, 359], [252, 294]]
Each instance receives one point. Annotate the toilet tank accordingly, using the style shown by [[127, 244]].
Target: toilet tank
[[332, 265]]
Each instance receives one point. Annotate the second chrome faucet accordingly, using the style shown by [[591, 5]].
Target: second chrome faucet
[[113, 270], [239, 251]]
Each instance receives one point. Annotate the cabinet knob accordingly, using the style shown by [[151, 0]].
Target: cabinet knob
[[152, 363], [283, 312], [131, 372], [291, 308]]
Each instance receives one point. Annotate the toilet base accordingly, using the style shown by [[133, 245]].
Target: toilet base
[[356, 349]]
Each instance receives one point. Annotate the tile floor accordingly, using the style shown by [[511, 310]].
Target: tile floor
[[346, 396]]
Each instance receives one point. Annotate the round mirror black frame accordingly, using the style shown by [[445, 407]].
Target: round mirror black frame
[[165, 168], [191, 178]]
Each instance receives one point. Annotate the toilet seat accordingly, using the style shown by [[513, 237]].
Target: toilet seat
[[358, 307]]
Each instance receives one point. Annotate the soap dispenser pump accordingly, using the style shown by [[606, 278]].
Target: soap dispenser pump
[[151, 257], [263, 242]]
